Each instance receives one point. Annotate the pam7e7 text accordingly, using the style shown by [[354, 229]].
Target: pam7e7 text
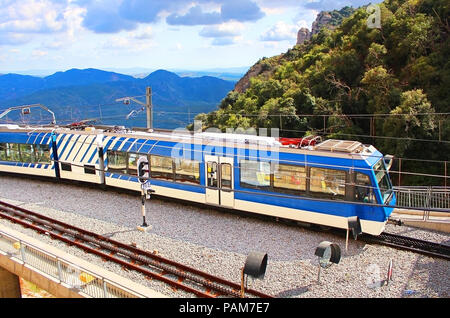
[[245, 307]]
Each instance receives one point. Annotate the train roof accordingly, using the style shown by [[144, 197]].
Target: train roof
[[345, 149]]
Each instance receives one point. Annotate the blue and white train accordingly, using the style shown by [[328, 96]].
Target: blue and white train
[[322, 183]]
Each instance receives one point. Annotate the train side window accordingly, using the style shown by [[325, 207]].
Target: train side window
[[363, 188], [117, 162], [212, 174], [42, 153], [26, 152], [3, 151], [161, 167], [225, 176], [254, 174], [289, 178], [132, 163], [187, 171], [329, 183], [12, 152]]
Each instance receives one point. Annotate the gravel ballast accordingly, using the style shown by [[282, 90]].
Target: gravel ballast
[[218, 242]]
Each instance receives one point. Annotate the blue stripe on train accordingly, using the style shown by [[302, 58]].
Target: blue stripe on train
[[58, 144], [87, 150], [93, 155], [70, 151], [330, 207], [24, 165], [118, 143], [65, 146], [81, 146]]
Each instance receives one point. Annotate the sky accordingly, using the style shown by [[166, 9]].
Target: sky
[[57, 35]]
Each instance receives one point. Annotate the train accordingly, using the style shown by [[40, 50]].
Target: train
[[307, 180]]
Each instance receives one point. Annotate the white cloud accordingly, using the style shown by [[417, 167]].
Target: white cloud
[[145, 34], [73, 16], [127, 42], [21, 20], [273, 11], [280, 32], [31, 16], [11, 38], [223, 34], [39, 53], [54, 45], [228, 29]]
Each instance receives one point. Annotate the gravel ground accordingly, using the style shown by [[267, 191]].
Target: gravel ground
[[218, 243]]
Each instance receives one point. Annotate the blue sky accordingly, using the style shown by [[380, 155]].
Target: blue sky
[[152, 34]]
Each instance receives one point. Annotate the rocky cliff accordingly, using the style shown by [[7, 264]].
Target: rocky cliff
[[328, 19], [303, 35]]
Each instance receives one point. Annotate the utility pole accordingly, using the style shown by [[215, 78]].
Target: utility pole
[[149, 108]]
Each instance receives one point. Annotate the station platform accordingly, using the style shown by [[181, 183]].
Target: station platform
[[436, 221]]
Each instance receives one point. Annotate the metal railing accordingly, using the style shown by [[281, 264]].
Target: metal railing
[[88, 283], [426, 197], [423, 197]]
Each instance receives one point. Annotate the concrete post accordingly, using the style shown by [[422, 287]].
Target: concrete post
[[9, 285]]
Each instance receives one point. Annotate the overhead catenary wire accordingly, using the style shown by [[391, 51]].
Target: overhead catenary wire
[[356, 116], [283, 115], [288, 130]]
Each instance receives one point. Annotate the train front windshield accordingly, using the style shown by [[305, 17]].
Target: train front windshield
[[384, 183]]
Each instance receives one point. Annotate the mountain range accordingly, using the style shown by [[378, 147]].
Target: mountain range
[[80, 94]]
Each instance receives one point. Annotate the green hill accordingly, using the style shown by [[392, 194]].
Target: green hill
[[383, 86]]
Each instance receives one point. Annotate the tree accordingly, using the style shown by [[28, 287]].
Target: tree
[[376, 55], [379, 86], [414, 118]]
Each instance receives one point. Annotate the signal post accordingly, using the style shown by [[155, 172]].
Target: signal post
[[146, 190]]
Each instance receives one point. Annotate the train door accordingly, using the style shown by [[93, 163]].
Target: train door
[[219, 181]]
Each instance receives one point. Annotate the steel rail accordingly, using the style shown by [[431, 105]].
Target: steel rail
[[432, 249], [127, 255]]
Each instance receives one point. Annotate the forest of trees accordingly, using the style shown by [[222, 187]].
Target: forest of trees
[[385, 86]]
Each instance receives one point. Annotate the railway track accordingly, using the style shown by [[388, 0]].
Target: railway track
[[411, 244], [172, 273], [177, 275]]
